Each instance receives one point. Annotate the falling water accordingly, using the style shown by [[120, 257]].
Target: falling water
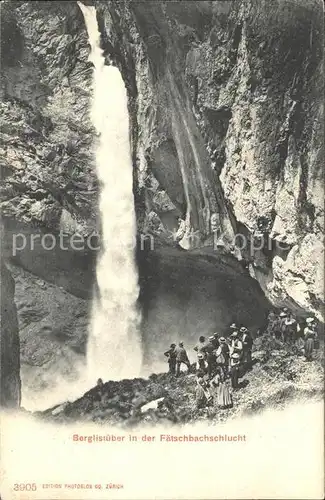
[[114, 349]]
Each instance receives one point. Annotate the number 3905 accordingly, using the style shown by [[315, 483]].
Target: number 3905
[[25, 487]]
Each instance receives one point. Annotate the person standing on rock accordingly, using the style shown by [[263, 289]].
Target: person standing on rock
[[233, 328], [220, 390], [289, 328], [300, 341], [277, 327], [99, 390], [200, 347], [221, 361], [202, 364], [202, 395], [235, 370], [236, 345], [310, 336], [181, 357], [216, 339], [171, 358], [271, 323], [210, 355], [282, 325], [247, 347], [224, 348]]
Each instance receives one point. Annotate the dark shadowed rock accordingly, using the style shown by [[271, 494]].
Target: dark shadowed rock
[[10, 356], [225, 102]]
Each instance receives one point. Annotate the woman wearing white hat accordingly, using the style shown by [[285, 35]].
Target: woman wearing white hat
[[236, 345], [201, 363]]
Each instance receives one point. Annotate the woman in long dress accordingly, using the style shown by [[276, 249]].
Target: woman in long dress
[[222, 394]]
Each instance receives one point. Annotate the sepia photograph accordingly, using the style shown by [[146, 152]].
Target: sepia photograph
[[162, 249]]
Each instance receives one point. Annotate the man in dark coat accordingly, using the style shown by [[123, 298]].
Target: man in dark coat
[[201, 345], [271, 320], [247, 346], [224, 348], [181, 357], [211, 355], [171, 358], [310, 336], [290, 328], [235, 369]]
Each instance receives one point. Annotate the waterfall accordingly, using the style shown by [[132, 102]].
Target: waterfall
[[114, 348]]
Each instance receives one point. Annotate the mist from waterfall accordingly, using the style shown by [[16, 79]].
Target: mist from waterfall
[[114, 347]]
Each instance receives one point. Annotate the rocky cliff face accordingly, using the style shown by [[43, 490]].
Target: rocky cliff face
[[226, 101], [226, 118]]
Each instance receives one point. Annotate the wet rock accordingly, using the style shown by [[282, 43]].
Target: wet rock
[[10, 346]]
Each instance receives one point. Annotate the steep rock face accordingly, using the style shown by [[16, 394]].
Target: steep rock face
[[48, 175], [227, 120], [10, 361], [49, 188], [53, 327], [226, 134]]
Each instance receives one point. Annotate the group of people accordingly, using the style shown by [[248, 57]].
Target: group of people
[[219, 358], [285, 327], [224, 358]]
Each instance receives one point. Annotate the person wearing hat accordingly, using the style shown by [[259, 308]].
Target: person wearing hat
[[181, 357], [234, 369], [202, 395], [210, 351], [202, 363], [310, 336], [247, 346], [216, 336], [222, 361], [201, 345], [282, 317], [236, 344], [233, 328], [216, 342], [171, 358], [220, 390], [289, 328], [272, 320], [224, 347], [98, 395], [213, 341], [274, 325]]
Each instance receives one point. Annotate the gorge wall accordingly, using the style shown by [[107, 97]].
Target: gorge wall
[[226, 115], [10, 384], [226, 100]]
